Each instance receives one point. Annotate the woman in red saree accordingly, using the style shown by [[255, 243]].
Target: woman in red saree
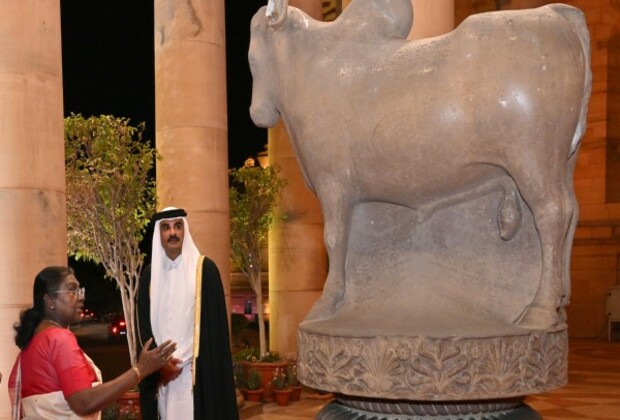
[[52, 377]]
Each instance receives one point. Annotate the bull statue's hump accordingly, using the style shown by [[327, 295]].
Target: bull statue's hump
[[376, 20]]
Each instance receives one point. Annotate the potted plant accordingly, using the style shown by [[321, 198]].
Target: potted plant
[[253, 388], [113, 412], [281, 390], [265, 365], [110, 413], [293, 382], [129, 404], [254, 193], [110, 199]]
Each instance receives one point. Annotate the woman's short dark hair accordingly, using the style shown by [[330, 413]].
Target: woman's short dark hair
[[48, 281]]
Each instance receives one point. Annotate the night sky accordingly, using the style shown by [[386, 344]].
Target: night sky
[[108, 68]]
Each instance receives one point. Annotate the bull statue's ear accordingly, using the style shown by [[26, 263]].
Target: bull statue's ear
[[276, 13]]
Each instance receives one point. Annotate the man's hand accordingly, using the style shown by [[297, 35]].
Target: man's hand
[[169, 372]]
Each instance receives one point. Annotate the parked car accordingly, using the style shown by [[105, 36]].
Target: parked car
[[117, 330], [109, 316]]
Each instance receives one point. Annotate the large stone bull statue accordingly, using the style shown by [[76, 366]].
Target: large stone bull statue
[[499, 104]]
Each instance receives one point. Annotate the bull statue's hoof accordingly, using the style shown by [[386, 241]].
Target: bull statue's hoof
[[537, 317]]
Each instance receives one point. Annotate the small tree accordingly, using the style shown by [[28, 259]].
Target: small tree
[[110, 198], [254, 193]]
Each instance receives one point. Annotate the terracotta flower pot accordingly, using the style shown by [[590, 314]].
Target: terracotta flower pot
[[129, 402], [295, 392], [253, 394], [282, 396], [266, 371]]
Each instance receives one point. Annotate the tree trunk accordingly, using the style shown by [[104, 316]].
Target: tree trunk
[[128, 311], [258, 291]]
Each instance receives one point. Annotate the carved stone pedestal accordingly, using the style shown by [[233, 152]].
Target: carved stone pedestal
[[420, 377], [423, 368]]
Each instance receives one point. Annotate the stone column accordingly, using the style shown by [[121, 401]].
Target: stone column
[[32, 177], [431, 18], [191, 123], [297, 257]]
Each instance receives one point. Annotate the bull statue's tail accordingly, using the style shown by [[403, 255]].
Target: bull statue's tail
[[577, 22]]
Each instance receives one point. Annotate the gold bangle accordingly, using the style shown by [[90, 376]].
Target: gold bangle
[[135, 369]]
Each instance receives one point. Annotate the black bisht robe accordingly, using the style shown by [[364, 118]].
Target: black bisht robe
[[214, 392]]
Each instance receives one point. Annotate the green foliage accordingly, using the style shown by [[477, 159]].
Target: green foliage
[[279, 379], [110, 413], [113, 413], [254, 380], [110, 193], [269, 357], [254, 194], [252, 354], [246, 354], [291, 374], [110, 199]]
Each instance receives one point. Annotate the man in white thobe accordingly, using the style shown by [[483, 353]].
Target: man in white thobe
[[181, 298]]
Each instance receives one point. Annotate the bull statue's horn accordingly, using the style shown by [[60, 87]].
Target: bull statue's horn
[[276, 13]]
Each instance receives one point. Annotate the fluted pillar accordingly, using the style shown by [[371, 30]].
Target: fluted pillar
[[297, 256], [32, 177], [191, 123], [431, 18]]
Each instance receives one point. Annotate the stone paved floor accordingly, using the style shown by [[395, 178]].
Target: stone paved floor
[[592, 393], [593, 390]]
